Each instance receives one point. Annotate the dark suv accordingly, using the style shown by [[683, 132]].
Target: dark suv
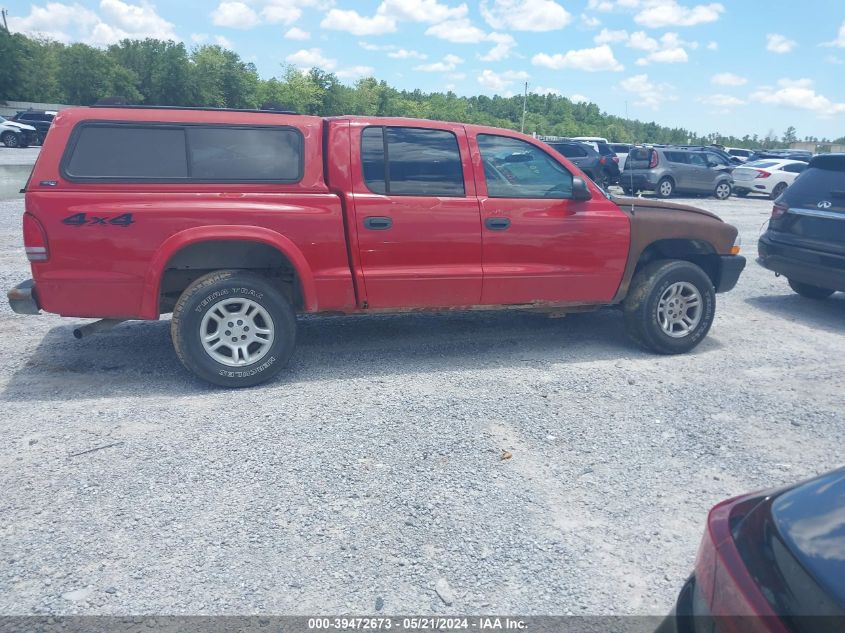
[[603, 170], [38, 119], [805, 241]]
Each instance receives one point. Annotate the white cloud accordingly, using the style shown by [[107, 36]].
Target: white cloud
[[590, 21], [225, 42], [296, 33], [353, 22], [728, 79], [839, 42], [670, 50], [499, 82], [450, 62], [502, 49], [236, 15], [712, 46], [833, 59], [429, 11], [199, 38], [722, 101], [541, 90], [648, 94], [402, 53], [798, 94], [309, 57], [117, 20], [525, 15], [460, 31], [777, 43], [606, 36], [576, 98], [457, 76], [595, 59], [657, 14], [355, 71]]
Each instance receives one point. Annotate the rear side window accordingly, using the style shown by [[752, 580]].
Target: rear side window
[[408, 161], [171, 153], [676, 157], [620, 149], [571, 151], [127, 152]]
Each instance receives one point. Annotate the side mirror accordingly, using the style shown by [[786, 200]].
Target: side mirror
[[712, 164], [580, 191]]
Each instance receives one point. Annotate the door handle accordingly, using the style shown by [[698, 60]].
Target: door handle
[[497, 224], [377, 223]]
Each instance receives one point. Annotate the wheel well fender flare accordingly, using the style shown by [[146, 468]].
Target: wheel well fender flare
[[213, 233]]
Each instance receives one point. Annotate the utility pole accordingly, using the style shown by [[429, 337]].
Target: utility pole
[[4, 13], [524, 107]]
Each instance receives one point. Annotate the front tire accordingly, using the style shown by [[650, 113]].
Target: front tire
[[809, 291], [10, 139], [722, 191], [665, 188], [233, 329], [670, 306]]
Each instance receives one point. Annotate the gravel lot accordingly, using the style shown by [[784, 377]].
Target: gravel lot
[[372, 469]]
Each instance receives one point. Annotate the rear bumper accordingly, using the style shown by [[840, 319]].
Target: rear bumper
[[730, 268], [817, 268], [22, 298], [637, 182]]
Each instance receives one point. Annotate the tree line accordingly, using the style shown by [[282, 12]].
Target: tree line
[[156, 72]]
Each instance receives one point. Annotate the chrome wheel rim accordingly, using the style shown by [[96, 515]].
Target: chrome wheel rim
[[722, 191], [679, 309], [666, 188], [237, 332]]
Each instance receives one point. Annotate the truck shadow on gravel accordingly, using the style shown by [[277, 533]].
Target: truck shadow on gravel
[[827, 315], [136, 359]]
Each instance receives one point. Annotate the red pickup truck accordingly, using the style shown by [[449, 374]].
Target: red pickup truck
[[235, 221]]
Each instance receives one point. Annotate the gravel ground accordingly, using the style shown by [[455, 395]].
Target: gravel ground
[[371, 471]]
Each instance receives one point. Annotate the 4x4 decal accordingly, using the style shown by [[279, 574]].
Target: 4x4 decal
[[82, 219]]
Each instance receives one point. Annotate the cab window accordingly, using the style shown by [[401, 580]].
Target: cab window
[[516, 169]]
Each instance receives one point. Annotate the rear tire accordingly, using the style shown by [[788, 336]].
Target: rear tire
[[670, 306], [741, 193], [665, 188], [778, 190], [809, 291], [233, 328]]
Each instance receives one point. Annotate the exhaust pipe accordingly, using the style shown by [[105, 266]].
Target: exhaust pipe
[[103, 325]]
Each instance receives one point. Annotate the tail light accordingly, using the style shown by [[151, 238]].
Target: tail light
[[34, 239], [616, 159], [762, 173], [728, 589], [778, 211], [602, 160], [652, 162]]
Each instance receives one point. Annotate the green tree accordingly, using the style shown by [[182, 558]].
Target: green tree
[[790, 136]]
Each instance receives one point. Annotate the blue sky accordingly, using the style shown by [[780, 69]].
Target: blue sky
[[736, 66]]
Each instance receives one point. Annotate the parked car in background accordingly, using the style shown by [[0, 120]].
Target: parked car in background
[[41, 120], [739, 152], [805, 240], [769, 561], [769, 177], [598, 168], [14, 134], [667, 170], [611, 162], [621, 150], [590, 139], [785, 154]]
